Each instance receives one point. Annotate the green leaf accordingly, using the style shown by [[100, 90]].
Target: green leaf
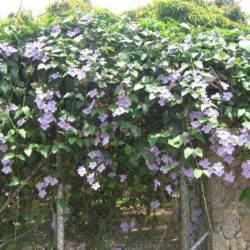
[[198, 151], [200, 137], [28, 151], [21, 157], [185, 26], [145, 79], [23, 182], [176, 142], [44, 150], [54, 64], [138, 86], [152, 138], [245, 193], [197, 173], [92, 129], [198, 64], [245, 44], [22, 132], [62, 203], [26, 110], [54, 149], [128, 150], [80, 96], [14, 182], [187, 152], [134, 73], [205, 172], [240, 112], [9, 156], [71, 140], [18, 113]]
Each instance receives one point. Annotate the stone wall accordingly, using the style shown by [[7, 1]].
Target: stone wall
[[230, 218]]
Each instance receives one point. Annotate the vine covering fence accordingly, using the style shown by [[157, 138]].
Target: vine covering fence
[[102, 117]]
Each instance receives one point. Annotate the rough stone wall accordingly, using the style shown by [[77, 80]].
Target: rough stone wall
[[230, 218]]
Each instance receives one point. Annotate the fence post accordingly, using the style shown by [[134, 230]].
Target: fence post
[[185, 214], [60, 212]]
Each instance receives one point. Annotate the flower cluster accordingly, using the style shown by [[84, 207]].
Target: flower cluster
[[36, 50], [45, 102], [125, 226], [246, 169], [96, 165], [192, 227], [47, 181], [6, 49]]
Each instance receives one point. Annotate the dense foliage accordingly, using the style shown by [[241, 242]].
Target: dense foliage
[[127, 107], [198, 13]]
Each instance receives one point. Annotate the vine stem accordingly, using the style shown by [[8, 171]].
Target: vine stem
[[203, 194], [21, 186]]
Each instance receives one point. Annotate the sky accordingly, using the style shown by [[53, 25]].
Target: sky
[[38, 6]]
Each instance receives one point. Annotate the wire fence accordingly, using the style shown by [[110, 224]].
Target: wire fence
[[46, 225]]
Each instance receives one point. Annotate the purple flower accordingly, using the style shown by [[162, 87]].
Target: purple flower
[[7, 49], [195, 124], [229, 177], [42, 193], [157, 183], [53, 181], [102, 61], [101, 168], [205, 163], [112, 174], [40, 185], [82, 246], [95, 186], [119, 111], [168, 188], [72, 71], [92, 165], [227, 95], [81, 75], [192, 227], [210, 112], [103, 117], [92, 93], [55, 75], [126, 80], [13, 107], [188, 172], [246, 173], [246, 165], [55, 29], [155, 204], [123, 177], [78, 38], [206, 128], [132, 224], [125, 227], [2, 138], [162, 101], [90, 178], [153, 167], [3, 147], [218, 169], [86, 133], [81, 171], [88, 17], [6, 169]]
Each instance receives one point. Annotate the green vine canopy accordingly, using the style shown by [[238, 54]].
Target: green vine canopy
[[131, 106]]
